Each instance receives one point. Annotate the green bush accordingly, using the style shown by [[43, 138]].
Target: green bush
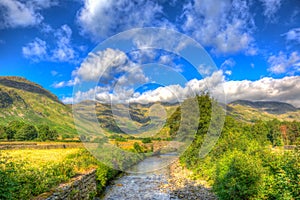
[[146, 140], [239, 176], [283, 177]]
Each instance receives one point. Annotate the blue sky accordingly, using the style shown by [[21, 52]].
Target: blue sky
[[254, 44]]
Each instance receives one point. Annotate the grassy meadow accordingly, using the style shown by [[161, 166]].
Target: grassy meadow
[[25, 173]]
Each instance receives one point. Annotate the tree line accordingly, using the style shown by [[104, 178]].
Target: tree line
[[21, 131]]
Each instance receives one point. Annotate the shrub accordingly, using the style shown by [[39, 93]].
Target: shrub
[[146, 140], [239, 176]]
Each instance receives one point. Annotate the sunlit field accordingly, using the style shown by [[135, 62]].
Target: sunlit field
[[38, 158], [28, 173]]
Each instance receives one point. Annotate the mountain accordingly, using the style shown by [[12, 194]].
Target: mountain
[[265, 110], [21, 99], [141, 120]]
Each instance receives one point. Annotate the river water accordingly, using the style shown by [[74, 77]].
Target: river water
[[143, 182]]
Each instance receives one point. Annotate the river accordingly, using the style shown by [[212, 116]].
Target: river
[[143, 182]]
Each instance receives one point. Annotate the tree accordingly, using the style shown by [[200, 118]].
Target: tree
[[274, 134], [12, 128], [260, 131], [45, 133], [26, 132], [53, 135], [3, 134], [137, 147]]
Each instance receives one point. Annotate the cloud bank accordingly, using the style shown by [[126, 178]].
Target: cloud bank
[[286, 89]]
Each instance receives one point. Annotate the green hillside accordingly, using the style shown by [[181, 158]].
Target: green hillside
[[22, 100]]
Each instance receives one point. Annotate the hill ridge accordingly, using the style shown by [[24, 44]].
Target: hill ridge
[[29, 86]]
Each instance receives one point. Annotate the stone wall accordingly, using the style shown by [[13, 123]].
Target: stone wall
[[29, 145], [81, 187]]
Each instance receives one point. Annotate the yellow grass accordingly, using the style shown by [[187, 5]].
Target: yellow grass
[[39, 157]]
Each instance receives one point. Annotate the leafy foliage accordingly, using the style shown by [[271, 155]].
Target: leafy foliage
[[241, 164], [18, 130], [238, 176], [45, 133], [26, 132], [146, 140]]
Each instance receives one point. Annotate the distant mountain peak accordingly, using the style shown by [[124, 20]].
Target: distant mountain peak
[[272, 107]]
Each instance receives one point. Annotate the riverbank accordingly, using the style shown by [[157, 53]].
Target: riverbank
[[181, 186]]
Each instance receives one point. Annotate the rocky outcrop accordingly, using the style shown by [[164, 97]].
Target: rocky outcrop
[[9, 97]]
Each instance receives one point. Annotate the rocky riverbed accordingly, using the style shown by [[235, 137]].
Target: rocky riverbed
[[181, 186], [171, 182]]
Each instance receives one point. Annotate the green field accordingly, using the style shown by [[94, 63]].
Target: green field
[[28, 173]]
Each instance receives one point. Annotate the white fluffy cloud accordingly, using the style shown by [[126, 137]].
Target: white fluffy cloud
[[35, 50], [282, 63], [65, 83], [293, 35], [87, 95], [99, 64], [16, 13], [110, 66], [62, 49], [271, 7], [224, 26], [103, 18]]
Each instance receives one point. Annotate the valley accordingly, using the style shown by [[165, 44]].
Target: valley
[[39, 141]]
